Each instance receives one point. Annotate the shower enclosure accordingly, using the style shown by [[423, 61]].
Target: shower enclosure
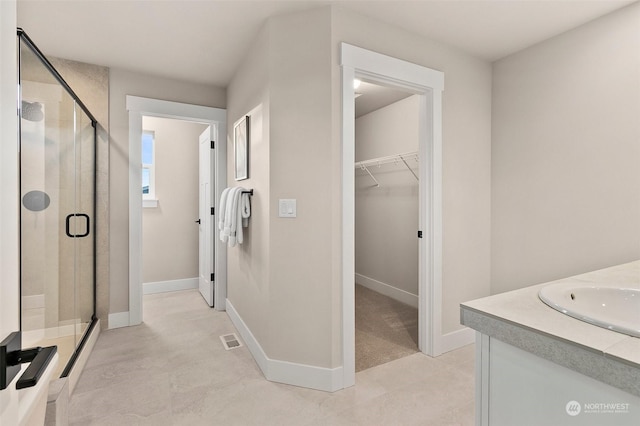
[[57, 226]]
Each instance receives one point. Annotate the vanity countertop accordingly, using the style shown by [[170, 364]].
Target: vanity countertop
[[521, 319]]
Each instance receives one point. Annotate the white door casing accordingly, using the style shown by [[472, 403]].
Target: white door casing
[[428, 85], [216, 118], [206, 223]]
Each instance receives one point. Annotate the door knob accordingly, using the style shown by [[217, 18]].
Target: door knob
[[197, 221]]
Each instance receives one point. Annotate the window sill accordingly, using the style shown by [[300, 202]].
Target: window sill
[[149, 204]]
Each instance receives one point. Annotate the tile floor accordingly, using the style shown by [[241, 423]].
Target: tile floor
[[173, 370]]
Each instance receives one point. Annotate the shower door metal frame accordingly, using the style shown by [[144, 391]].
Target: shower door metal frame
[[22, 36]]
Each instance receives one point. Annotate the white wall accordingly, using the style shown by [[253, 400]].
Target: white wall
[[169, 231], [122, 83], [9, 190], [466, 149], [281, 274], [566, 154], [290, 269], [387, 216], [248, 264], [300, 168]]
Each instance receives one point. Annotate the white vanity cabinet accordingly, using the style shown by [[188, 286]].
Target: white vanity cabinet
[[536, 366], [515, 387]]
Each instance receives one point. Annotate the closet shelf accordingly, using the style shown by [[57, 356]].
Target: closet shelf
[[366, 164]]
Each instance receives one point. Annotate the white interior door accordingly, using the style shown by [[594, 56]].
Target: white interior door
[[206, 246]]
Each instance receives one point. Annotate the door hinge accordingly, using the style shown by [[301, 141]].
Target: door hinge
[[419, 234], [213, 145], [213, 276], [213, 211]]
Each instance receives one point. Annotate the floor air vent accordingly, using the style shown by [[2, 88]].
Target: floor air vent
[[230, 341]]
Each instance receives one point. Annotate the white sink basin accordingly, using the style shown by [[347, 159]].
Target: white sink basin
[[609, 306]]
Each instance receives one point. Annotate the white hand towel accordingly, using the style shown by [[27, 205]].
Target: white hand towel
[[246, 209], [235, 210], [233, 217], [222, 208], [228, 216], [239, 232]]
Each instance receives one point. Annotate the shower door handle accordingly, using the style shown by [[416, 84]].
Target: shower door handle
[[68, 225], [11, 356], [39, 358]]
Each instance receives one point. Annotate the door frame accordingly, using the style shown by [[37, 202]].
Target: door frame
[[217, 119], [428, 84]]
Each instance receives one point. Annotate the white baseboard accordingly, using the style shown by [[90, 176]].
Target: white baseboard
[[119, 320], [308, 376], [457, 339], [388, 290], [173, 285], [246, 334]]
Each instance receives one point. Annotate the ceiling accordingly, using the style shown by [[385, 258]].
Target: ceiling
[[204, 41], [371, 97]]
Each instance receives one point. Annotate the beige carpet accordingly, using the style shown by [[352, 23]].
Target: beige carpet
[[385, 329]]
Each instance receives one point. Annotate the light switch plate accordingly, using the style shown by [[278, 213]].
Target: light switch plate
[[287, 207]]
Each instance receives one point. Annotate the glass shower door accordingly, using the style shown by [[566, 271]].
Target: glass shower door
[[56, 233], [83, 218]]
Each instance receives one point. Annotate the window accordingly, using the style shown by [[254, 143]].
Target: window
[[148, 166]]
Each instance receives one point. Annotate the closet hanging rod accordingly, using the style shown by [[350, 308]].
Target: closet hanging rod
[[388, 159]]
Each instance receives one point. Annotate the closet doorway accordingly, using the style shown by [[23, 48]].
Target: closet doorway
[[386, 224], [427, 84]]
